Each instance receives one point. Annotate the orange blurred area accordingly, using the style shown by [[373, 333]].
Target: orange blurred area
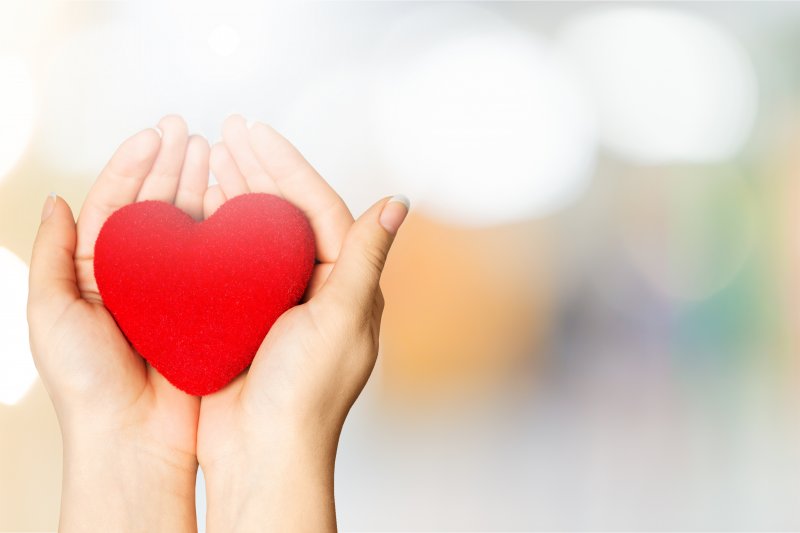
[[466, 308]]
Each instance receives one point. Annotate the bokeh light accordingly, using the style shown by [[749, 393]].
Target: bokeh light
[[480, 122], [17, 371], [669, 86], [16, 110], [224, 40], [340, 145], [87, 115]]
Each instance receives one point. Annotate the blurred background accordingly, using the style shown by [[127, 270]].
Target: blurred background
[[591, 318]]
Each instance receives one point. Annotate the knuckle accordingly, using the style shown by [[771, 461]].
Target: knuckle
[[374, 256]]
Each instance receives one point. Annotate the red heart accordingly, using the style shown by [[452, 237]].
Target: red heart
[[197, 298]]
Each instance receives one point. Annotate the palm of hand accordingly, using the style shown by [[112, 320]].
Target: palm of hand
[[86, 362], [298, 368]]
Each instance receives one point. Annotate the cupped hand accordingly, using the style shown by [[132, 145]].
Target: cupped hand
[[267, 441], [129, 436]]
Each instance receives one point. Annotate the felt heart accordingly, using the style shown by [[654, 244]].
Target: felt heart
[[196, 299]]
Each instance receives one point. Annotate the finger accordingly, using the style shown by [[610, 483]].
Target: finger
[[318, 278], [52, 283], [237, 139], [193, 182], [301, 185], [229, 177], [117, 186], [213, 199], [357, 272], [162, 182]]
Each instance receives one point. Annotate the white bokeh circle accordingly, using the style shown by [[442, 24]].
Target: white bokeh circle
[[17, 110], [224, 40], [477, 121], [17, 371], [328, 121], [669, 86], [103, 84]]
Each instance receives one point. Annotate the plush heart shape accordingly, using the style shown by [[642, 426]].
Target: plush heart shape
[[196, 299]]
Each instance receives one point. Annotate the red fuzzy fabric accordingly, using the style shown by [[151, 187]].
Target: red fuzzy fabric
[[197, 298]]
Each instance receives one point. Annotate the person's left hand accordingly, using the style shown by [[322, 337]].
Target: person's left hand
[[129, 436]]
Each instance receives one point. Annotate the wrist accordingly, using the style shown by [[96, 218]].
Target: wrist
[[111, 482], [276, 481]]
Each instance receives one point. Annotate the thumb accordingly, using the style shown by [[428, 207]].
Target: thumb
[[357, 271], [52, 283]]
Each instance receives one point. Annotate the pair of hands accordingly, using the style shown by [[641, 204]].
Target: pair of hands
[[267, 442]]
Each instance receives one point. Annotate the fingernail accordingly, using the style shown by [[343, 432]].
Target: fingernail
[[158, 130], [49, 205], [394, 213], [250, 123]]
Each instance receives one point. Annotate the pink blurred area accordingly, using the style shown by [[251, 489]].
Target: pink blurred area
[[591, 311]]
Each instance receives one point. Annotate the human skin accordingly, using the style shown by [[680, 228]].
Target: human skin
[[129, 436], [267, 442]]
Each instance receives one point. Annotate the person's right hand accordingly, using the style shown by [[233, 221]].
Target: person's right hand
[[267, 442], [129, 436]]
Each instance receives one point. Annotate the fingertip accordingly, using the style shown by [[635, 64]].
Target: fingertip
[[394, 212], [57, 224], [262, 128], [402, 199], [271, 146], [49, 205], [262, 134], [55, 207], [198, 142], [141, 147], [173, 122], [231, 121], [52, 281], [219, 148]]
